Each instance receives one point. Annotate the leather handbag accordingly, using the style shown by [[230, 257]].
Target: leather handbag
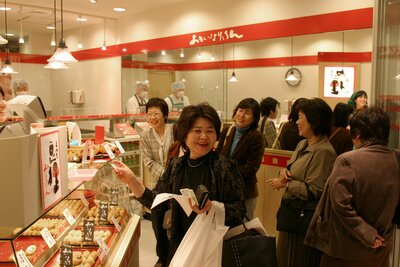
[[249, 248], [294, 215]]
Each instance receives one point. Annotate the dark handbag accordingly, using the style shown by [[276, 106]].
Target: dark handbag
[[294, 215], [249, 248]]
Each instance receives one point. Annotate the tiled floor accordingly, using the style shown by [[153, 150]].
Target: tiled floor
[[147, 245]]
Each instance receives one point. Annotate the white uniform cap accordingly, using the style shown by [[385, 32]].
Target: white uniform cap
[[177, 86]]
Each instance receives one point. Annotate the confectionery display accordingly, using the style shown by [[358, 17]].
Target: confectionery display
[[75, 237], [74, 206], [117, 212], [52, 224], [85, 258]]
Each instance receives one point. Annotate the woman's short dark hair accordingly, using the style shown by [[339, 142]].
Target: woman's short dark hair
[[294, 111], [319, 115], [352, 100], [188, 117], [158, 103], [252, 104], [371, 124], [268, 105], [341, 115]]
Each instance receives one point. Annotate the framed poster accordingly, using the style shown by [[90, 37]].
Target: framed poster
[[339, 82], [50, 175]]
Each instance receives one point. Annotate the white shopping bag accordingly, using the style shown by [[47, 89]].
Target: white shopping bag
[[202, 244]]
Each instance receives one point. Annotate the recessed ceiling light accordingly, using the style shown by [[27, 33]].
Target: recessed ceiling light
[[50, 27], [9, 34], [123, 49], [3, 9], [93, 1], [81, 19], [119, 9]]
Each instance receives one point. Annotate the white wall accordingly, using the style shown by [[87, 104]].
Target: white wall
[[100, 79]]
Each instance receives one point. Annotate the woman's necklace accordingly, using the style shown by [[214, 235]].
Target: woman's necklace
[[196, 165]]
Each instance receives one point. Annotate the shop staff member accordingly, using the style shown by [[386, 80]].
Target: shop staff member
[[137, 103], [177, 100], [20, 87]]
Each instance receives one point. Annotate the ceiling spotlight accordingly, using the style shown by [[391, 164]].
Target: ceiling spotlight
[[93, 1], [163, 53], [119, 9], [124, 50], [182, 54], [83, 19], [50, 27]]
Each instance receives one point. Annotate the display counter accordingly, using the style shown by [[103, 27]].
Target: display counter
[[94, 221]]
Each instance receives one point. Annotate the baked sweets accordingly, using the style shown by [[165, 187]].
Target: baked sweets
[[53, 225], [73, 205], [75, 237], [28, 253], [117, 212], [81, 258]]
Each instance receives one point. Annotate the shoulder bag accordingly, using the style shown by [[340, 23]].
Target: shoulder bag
[[294, 214]]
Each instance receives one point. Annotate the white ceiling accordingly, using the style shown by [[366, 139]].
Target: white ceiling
[[37, 14]]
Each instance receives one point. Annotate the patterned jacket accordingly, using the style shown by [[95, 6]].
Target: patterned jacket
[[226, 187]]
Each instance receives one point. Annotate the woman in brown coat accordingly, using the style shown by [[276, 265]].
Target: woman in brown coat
[[245, 144], [353, 223]]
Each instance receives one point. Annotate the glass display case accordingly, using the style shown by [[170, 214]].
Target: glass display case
[[93, 225]]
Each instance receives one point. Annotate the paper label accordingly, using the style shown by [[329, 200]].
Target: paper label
[[48, 238], [103, 216], [67, 214], [120, 148], [102, 255], [108, 150], [114, 194], [66, 256], [84, 200], [23, 260], [103, 246], [88, 230], [115, 222]]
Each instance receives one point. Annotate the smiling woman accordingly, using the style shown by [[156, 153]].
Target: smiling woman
[[198, 129]]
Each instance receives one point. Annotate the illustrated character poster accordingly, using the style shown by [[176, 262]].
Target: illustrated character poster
[[50, 168], [339, 81]]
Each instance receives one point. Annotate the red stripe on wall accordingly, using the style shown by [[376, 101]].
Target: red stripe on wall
[[345, 57], [253, 63], [337, 21], [274, 160]]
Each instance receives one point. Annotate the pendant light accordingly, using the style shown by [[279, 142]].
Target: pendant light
[[7, 68], [104, 47], [62, 54], [181, 54], [291, 78], [21, 35], [80, 32], [233, 77], [55, 65]]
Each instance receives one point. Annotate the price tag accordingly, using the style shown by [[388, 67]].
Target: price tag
[[102, 255], [84, 200], [103, 246], [66, 256], [88, 230], [115, 222], [22, 259], [48, 238], [120, 148], [103, 212], [108, 150], [114, 194], [68, 216]]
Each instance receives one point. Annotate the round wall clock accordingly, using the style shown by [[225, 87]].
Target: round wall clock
[[293, 77]]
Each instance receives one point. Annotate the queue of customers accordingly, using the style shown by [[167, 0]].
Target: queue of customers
[[352, 224]]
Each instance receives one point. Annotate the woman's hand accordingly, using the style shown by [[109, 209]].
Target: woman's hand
[[277, 183], [379, 242], [206, 207], [126, 175], [285, 175]]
